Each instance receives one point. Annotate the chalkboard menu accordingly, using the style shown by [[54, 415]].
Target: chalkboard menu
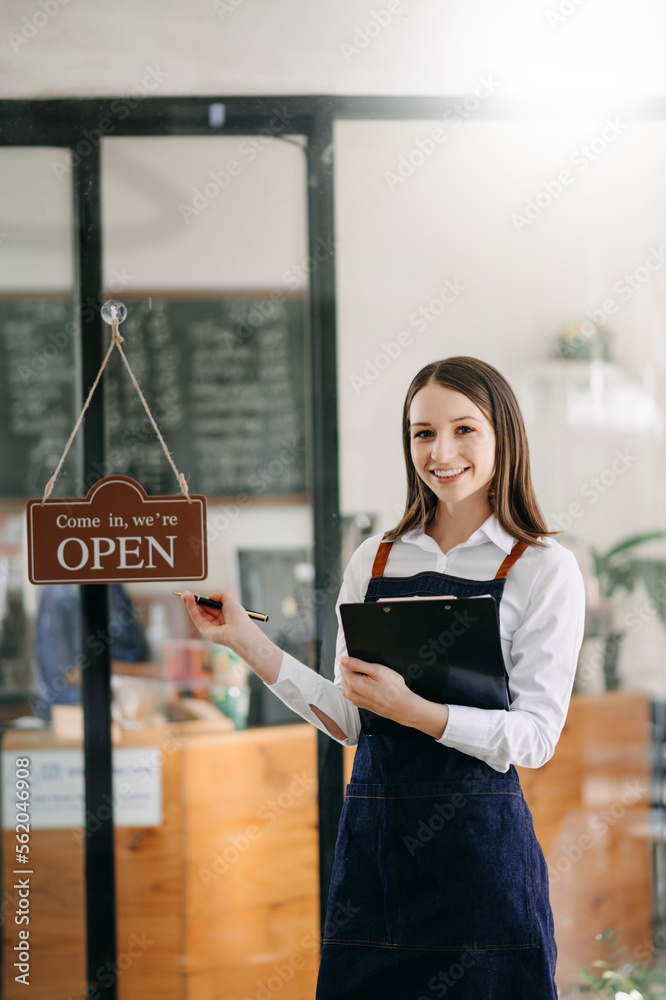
[[37, 395], [224, 378]]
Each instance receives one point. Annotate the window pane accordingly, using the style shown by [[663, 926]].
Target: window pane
[[205, 241], [42, 776]]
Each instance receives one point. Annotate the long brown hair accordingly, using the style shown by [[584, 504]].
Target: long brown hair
[[511, 494]]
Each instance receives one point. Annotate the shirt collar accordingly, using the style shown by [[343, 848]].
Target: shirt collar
[[490, 530]]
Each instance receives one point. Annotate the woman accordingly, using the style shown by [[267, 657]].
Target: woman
[[439, 885]]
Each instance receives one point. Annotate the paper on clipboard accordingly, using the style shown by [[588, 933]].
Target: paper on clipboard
[[434, 597], [437, 597]]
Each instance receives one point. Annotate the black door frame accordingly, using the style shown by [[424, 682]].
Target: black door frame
[[80, 125]]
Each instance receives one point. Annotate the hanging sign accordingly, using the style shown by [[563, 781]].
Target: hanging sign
[[117, 533]]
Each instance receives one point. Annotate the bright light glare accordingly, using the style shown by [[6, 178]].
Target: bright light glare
[[567, 48]]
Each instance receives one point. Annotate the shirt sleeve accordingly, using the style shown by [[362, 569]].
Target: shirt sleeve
[[544, 656], [299, 686]]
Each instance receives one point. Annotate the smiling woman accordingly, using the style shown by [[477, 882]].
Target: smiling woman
[[411, 910]]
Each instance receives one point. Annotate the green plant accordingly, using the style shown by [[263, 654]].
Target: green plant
[[628, 981], [618, 568]]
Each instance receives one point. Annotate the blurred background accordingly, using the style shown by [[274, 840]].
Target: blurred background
[[522, 221]]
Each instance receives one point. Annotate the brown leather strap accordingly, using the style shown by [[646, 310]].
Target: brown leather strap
[[380, 559], [513, 555], [384, 550]]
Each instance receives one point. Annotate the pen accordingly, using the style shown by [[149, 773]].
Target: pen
[[208, 603]]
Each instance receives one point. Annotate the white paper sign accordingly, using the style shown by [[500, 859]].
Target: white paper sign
[[56, 786]]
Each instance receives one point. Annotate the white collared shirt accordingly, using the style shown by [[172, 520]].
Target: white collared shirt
[[542, 616]]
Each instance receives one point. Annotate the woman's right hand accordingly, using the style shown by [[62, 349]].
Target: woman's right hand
[[230, 626], [218, 624]]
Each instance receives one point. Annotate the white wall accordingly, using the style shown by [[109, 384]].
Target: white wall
[[455, 219], [91, 47]]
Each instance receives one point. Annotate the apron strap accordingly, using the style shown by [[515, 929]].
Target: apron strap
[[380, 559], [513, 555], [384, 550]]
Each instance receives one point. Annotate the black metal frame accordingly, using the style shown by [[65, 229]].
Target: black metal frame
[[99, 854], [80, 125]]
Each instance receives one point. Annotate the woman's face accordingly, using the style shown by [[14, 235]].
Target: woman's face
[[448, 432]]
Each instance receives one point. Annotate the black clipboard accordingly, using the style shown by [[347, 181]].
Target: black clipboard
[[448, 650]]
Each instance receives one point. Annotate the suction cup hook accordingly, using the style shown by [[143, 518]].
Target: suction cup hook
[[113, 309]]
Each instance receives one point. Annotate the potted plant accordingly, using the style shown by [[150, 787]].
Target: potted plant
[[620, 568], [607, 977]]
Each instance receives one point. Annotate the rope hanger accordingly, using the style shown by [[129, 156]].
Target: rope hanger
[[114, 312]]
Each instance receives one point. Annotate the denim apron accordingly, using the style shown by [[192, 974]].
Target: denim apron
[[439, 885]]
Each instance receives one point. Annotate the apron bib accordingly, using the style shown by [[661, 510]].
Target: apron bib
[[439, 884]]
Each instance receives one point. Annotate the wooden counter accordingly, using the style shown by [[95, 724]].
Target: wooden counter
[[224, 895], [218, 901]]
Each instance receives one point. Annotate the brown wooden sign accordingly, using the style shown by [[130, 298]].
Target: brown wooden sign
[[117, 533]]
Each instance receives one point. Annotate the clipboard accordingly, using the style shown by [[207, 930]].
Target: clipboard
[[448, 650]]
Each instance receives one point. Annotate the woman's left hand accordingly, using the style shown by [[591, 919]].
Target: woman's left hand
[[377, 688], [385, 692]]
